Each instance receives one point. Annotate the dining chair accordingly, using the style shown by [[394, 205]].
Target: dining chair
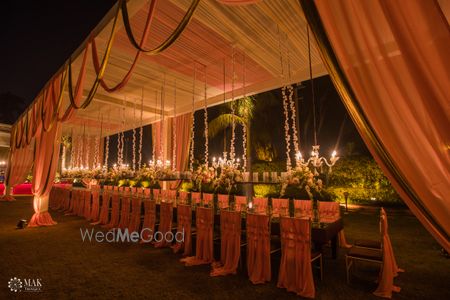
[[124, 212], [208, 199], [196, 197], [240, 203], [148, 226], [86, 211], [258, 248], [135, 217], [260, 205], [184, 228], [147, 192], [223, 201], [296, 257], [280, 207], [115, 210], [183, 196], [165, 224], [95, 209], [104, 209], [156, 194], [303, 207]]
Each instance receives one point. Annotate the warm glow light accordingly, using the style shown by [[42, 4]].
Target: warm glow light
[[334, 153], [250, 205]]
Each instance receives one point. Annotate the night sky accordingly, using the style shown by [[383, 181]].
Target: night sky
[[39, 36]]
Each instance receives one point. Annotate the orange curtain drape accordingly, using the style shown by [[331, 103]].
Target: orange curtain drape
[[389, 62]]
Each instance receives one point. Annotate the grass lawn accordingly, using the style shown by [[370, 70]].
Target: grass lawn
[[69, 268]]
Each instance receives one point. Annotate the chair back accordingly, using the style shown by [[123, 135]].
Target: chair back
[[135, 219], [104, 211], [147, 192], [125, 212], [260, 205], [156, 193], [95, 209], [115, 211], [223, 201], [329, 211], [280, 207], [165, 223], [184, 236], [296, 257], [208, 199], [258, 248], [148, 227], [196, 197], [183, 196], [240, 203], [302, 208]]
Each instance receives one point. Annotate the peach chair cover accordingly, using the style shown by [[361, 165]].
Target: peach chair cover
[[87, 204], [230, 248], [208, 199], [172, 194], [66, 199], [240, 201], [280, 207], [196, 197], [125, 212], [389, 245], [184, 221], [260, 205], [258, 248], [70, 209], [295, 267], [389, 268], [115, 206], [147, 192], [165, 223], [183, 196], [165, 194], [148, 227], [156, 193], [204, 253], [127, 190], [304, 206], [134, 190], [104, 210], [223, 201], [95, 209], [139, 191], [116, 188], [135, 219], [80, 207], [329, 212]]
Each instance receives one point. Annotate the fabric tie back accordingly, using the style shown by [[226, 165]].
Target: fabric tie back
[[295, 267], [125, 212], [95, 209], [240, 203], [165, 223], [115, 206], [258, 248], [204, 253], [208, 199], [148, 227], [135, 219], [260, 205], [230, 247], [184, 221], [196, 197], [87, 205], [223, 201], [156, 194], [303, 207], [280, 207], [389, 269]]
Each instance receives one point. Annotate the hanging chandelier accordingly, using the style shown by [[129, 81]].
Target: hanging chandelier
[[223, 161], [315, 160]]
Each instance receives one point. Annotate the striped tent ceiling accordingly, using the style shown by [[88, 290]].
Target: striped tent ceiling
[[268, 39]]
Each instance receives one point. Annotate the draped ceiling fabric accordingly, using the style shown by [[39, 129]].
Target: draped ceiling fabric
[[391, 69]]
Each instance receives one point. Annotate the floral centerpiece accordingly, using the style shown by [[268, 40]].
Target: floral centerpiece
[[147, 176], [228, 178], [203, 178], [119, 175]]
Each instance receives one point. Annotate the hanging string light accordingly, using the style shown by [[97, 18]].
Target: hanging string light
[[161, 127], [291, 102], [233, 119], [174, 128], [63, 156], [244, 126], [191, 158], [206, 124], [107, 144], [133, 166], [72, 152], [141, 131], [154, 129]]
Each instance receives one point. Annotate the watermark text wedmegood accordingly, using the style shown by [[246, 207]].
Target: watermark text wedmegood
[[146, 235]]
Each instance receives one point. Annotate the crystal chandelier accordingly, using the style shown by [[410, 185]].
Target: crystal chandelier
[[225, 162], [316, 161]]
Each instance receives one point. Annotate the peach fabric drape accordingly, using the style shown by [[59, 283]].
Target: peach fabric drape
[[165, 223], [135, 219], [148, 227], [398, 71], [230, 246], [223, 201], [182, 124], [389, 268], [280, 207], [87, 204], [295, 267], [124, 212], [204, 253], [260, 205], [258, 248], [184, 222]]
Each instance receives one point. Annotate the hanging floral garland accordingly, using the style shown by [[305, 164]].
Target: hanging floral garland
[[106, 151], [233, 121], [206, 125], [294, 120], [286, 128], [191, 154], [174, 130]]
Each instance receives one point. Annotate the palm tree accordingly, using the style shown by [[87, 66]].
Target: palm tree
[[243, 108]]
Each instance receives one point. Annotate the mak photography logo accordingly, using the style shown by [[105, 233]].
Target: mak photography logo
[[25, 285]]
